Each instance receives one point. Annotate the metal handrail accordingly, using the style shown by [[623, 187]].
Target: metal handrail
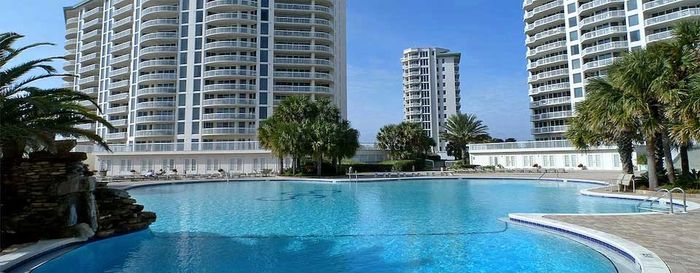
[[656, 199], [685, 203]]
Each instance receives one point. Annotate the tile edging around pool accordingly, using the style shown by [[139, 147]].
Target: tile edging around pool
[[646, 260]]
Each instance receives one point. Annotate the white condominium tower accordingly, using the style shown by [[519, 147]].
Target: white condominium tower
[[431, 89], [569, 41], [185, 72]]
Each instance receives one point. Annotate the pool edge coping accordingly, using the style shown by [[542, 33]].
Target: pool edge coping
[[536, 219]]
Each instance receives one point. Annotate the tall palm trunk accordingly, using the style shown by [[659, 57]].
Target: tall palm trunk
[[651, 162], [685, 164], [319, 167], [281, 164], [668, 158], [625, 149], [465, 155]]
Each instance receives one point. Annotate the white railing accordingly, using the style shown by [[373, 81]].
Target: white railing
[[546, 34], [545, 102], [230, 30], [230, 44], [216, 3], [605, 31], [553, 4], [227, 131], [550, 129], [603, 16], [157, 90], [673, 16], [155, 118], [549, 115], [658, 3], [227, 116], [597, 3], [229, 87], [231, 16], [544, 21], [604, 47], [660, 36], [549, 144], [547, 47]]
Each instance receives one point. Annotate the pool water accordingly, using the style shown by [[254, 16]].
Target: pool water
[[411, 226]]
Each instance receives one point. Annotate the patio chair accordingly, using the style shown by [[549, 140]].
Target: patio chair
[[623, 181]]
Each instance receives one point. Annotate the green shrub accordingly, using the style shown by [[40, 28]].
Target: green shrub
[[367, 168]]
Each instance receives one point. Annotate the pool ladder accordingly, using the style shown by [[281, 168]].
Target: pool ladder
[[653, 198]]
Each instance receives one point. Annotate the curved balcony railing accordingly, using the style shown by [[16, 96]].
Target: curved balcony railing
[[90, 47], [229, 131], [154, 104], [229, 87], [302, 75], [303, 34], [231, 31], [115, 136], [304, 7], [158, 36], [118, 122], [158, 49], [155, 118], [120, 59], [230, 45], [228, 116], [123, 11], [157, 76], [121, 48], [303, 21], [550, 129], [548, 61], [550, 88], [87, 80], [159, 9], [228, 101], [552, 115], [116, 110], [685, 13], [230, 72], [230, 3], [304, 61], [118, 97], [560, 45], [154, 133], [230, 59], [545, 21], [659, 3], [159, 90], [121, 24], [119, 84], [159, 23], [157, 63], [122, 35], [590, 6], [119, 72], [231, 16], [613, 14], [660, 36], [604, 48], [546, 7], [549, 74], [302, 89], [622, 30], [599, 64], [88, 68], [297, 47], [553, 101]]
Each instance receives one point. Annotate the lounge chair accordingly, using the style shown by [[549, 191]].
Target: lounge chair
[[623, 180]]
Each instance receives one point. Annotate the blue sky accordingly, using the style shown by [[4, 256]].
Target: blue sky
[[488, 33]]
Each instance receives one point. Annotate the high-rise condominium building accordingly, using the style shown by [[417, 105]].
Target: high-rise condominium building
[[431, 89], [570, 41], [183, 75]]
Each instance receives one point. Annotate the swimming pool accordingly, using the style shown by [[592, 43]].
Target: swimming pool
[[399, 226]]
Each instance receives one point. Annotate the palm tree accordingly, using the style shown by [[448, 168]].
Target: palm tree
[[404, 141], [463, 129], [603, 119], [270, 138], [682, 65], [634, 74], [32, 117]]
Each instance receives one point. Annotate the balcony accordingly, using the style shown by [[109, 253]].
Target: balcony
[[118, 122], [158, 50], [92, 13], [303, 21], [90, 47], [228, 102], [658, 4], [159, 37], [115, 136], [87, 80], [118, 97], [303, 34], [660, 36], [229, 32], [160, 90], [549, 102], [604, 48], [550, 129], [91, 25], [545, 22], [89, 91], [159, 24], [122, 12], [551, 115], [117, 109], [226, 5], [592, 6], [546, 48], [560, 31], [91, 36], [122, 48], [302, 75], [69, 66], [601, 33], [297, 47], [155, 118], [303, 8], [159, 11], [155, 105], [121, 36], [547, 7], [71, 43], [120, 59], [91, 69], [549, 61], [71, 33], [157, 77], [549, 74], [670, 18], [217, 73], [237, 59], [122, 24], [159, 63], [602, 18], [232, 18], [302, 89], [228, 116], [229, 131], [155, 133], [229, 87], [600, 64], [230, 45], [72, 22], [119, 84]]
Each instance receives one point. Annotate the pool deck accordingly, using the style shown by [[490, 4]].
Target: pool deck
[[674, 238]]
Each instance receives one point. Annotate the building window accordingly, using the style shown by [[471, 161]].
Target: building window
[[573, 36], [578, 92], [574, 50], [573, 22], [634, 36], [571, 8], [631, 4], [633, 20], [577, 78], [576, 64]]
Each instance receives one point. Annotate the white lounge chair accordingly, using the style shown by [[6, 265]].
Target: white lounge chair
[[624, 181]]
